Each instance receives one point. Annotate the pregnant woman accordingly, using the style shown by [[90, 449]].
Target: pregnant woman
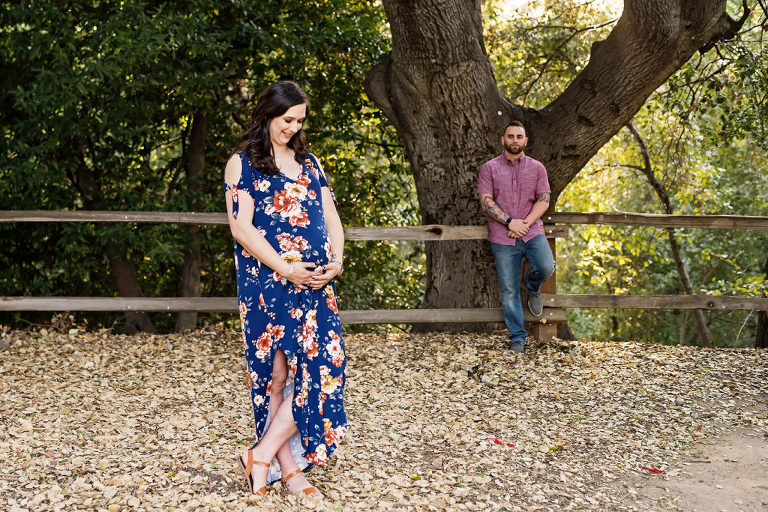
[[289, 246]]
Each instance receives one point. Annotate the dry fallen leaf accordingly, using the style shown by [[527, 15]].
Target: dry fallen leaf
[[94, 421]]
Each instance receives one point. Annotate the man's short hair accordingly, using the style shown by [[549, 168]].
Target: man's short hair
[[517, 124]]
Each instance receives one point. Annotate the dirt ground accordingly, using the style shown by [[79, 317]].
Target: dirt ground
[[726, 473], [94, 421]]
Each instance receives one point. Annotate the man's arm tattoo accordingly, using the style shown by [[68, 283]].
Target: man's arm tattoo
[[492, 209], [542, 198]]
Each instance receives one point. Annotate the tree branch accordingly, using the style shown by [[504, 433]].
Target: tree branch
[[730, 29], [677, 255], [556, 51], [651, 40]]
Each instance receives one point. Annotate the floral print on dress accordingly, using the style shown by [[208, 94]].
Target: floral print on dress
[[277, 315]]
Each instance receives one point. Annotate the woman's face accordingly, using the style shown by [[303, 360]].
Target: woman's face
[[282, 128]]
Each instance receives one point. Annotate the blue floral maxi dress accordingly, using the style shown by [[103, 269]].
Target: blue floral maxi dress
[[276, 315]]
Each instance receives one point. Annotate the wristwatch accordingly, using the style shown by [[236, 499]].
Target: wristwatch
[[509, 219]]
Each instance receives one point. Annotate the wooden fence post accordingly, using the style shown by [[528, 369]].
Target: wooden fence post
[[548, 330]]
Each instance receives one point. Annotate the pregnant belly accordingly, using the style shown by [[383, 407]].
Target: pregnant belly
[[307, 247]]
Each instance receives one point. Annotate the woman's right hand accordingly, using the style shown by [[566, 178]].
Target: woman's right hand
[[302, 274]]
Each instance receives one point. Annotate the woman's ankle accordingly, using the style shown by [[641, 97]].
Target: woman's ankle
[[257, 454], [287, 468]]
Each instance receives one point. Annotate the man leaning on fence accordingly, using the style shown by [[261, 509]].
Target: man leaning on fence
[[514, 193]]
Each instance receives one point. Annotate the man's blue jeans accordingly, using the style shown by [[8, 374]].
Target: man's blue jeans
[[508, 262]]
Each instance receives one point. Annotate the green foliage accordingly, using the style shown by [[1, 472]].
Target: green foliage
[[705, 133], [537, 49], [726, 88], [98, 102], [374, 186]]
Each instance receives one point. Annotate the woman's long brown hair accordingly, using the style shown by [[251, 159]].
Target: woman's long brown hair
[[274, 101]]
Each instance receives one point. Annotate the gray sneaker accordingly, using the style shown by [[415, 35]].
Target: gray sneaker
[[517, 346], [535, 305]]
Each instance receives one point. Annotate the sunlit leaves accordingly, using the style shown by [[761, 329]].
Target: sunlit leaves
[[704, 130], [538, 49]]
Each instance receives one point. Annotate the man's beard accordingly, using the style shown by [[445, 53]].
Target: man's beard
[[512, 150]]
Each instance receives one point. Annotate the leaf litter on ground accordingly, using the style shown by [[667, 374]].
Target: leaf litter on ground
[[97, 421]]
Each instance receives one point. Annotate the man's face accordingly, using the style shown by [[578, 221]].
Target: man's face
[[514, 140]]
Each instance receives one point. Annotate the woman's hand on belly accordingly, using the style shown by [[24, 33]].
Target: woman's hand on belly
[[302, 275], [323, 276]]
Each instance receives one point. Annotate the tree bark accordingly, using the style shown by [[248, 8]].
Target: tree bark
[[761, 340], [647, 168], [127, 283], [194, 164], [438, 89]]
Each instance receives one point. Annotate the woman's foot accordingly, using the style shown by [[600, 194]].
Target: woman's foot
[[296, 483], [255, 472]]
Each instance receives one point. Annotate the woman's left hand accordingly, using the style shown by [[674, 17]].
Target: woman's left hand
[[323, 275]]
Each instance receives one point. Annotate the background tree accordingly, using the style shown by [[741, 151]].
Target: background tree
[[662, 193], [709, 151], [438, 88]]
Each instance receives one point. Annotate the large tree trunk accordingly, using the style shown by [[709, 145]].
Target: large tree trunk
[[761, 341], [190, 271], [438, 89]]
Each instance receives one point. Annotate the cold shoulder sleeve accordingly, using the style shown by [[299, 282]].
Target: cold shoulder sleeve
[[242, 182]]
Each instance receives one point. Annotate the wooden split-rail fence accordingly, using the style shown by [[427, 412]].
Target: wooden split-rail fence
[[556, 226]]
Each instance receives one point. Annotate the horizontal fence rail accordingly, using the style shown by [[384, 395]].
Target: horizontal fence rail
[[712, 302], [215, 219], [658, 220], [201, 219], [553, 312], [425, 232], [229, 305], [555, 304]]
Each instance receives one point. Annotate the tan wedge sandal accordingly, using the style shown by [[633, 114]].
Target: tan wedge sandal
[[247, 468], [309, 491]]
